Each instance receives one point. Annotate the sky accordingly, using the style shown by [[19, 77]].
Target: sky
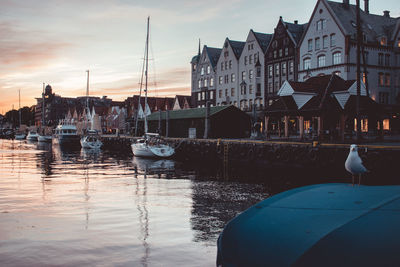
[[56, 41]]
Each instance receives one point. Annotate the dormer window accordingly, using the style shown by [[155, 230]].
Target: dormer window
[[208, 69], [383, 41], [202, 70]]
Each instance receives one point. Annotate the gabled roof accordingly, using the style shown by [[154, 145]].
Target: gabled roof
[[263, 39], [213, 54], [237, 47], [295, 30], [373, 25]]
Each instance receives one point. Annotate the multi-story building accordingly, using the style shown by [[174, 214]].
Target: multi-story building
[[251, 78], [329, 46], [204, 75], [281, 57], [227, 72]]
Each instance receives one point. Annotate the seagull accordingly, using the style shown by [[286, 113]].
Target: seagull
[[354, 164]]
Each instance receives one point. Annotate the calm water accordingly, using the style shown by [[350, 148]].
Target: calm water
[[81, 208]]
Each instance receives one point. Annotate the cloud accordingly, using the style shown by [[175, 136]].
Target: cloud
[[21, 51]]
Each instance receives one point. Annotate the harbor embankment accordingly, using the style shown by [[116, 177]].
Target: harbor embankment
[[378, 158]]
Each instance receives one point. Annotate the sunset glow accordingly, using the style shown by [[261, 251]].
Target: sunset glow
[[55, 42]]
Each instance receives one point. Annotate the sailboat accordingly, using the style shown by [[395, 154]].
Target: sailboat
[[91, 140], [19, 135], [151, 145]]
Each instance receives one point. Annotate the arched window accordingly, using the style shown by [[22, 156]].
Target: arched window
[[337, 58], [321, 61], [307, 63]]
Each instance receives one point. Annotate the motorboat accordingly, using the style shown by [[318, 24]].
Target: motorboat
[[152, 146], [45, 138], [32, 136], [20, 136], [91, 141], [66, 134]]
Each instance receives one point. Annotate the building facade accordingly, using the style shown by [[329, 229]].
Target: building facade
[[204, 75], [329, 47], [281, 57], [251, 73], [227, 72]]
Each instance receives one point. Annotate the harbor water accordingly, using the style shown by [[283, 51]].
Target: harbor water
[[91, 208]]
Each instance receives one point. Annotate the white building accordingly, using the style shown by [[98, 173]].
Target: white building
[[329, 46]]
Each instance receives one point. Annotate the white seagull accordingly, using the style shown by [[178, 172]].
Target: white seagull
[[354, 164]]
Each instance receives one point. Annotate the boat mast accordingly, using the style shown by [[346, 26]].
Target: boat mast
[[43, 106], [87, 91], [146, 75], [19, 107]]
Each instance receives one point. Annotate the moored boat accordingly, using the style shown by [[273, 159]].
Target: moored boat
[[32, 136], [45, 138], [66, 134]]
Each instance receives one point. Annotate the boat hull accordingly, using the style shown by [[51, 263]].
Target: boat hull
[[148, 151], [67, 140]]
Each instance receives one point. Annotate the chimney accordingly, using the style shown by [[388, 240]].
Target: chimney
[[386, 14], [296, 22], [346, 3], [366, 6]]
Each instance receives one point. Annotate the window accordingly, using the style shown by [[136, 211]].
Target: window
[[383, 98], [250, 74], [317, 43], [220, 93], [222, 65], [251, 59], [319, 25], [199, 96], [383, 41], [270, 88], [226, 65], [387, 79], [387, 60], [205, 82], [258, 74], [199, 83], [380, 59], [250, 103], [208, 69], [280, 52], [306, 63], [275, 54], [232, 91], [381, 79], [323, 23], [310, 45], [220, 80], [226, 54], [255, 58], [333, 39], [211, 94], [337, 58], [284, 68], [211, 81], [226, 78], [277, 70], [243, 89], [291, 67], [245, 60], [276, 86], [226, 92], [321, 61], [270, 71], [230, 64], [250, 88], [258, 92], [243, 75], [233, 78], [286, 51], [203, 95], [325, 41], [202, 70], [365, 57]]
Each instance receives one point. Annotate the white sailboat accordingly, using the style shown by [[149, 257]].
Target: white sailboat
[[151, 145], [91, 140]]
